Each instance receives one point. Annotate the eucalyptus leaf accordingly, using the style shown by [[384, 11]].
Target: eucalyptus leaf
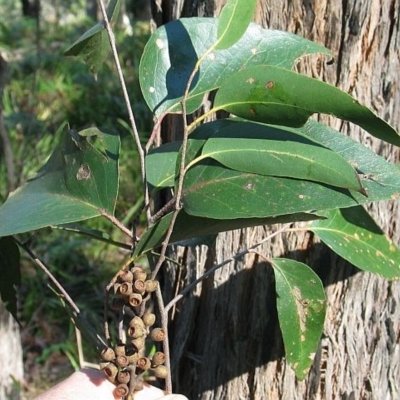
[[189, 227], [160, 165], [174, 49], [275, 95], [76, 183], [301, 305], [93, 46], [214, 191], [234, 19], [355, 236], [10, 274], [267, 150]]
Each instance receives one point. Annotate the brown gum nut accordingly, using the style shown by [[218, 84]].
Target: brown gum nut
[[139, 286], [124, 376], [110, 371], [143, 363], [135, 299], [125, 289], [158, 358], [160, 371], [136, 321], [122, 361], [139, 273], [158, 334], [135, 332], [151, 285], [126, 276], [107, 354], [121, 390], [149, 319]]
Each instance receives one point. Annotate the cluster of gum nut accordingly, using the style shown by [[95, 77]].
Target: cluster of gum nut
[[125, 363]]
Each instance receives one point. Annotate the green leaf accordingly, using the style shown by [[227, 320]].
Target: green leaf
[[10, 274], [277, 96], [233, 21], [93, 46], [266, 150], [301, 305], [76, 183], [173, 50], [188, 227], [160, 165], [354, 235], [213, 191]]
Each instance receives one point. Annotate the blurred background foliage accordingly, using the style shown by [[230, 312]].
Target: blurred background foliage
[[43, 93]]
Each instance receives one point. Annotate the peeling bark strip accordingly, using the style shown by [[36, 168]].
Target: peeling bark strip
[[227, 343]]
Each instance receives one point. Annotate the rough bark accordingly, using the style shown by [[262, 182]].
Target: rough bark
[[226, 339], [11, 369]]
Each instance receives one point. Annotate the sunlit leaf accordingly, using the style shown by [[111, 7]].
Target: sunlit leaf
[[94, 45], [354, 235], [233, 21], [277, 96], [79, 180], [10, 274], [301, 308], [267, 150], [173, 50], [214, 191]]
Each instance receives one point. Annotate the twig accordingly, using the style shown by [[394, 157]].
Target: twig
[[117, 223], [155, 132], [189, 287], [179, 189], [164, 210], [164, 325], [72, 308], [132, 121]]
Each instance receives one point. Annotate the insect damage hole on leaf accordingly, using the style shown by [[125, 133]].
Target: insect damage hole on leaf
[[84, 172]]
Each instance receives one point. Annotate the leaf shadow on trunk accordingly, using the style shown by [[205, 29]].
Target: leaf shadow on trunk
[[232, 329]]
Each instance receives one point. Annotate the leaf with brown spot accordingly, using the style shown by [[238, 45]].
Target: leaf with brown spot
[[75, 184], [301, 306], [354, 235]]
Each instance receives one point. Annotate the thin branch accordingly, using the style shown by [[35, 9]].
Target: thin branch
[[71, 307], [117, 223], [164, 325], [132, 121], [164, 210], [179, 189], [192, 285], [155, 132]]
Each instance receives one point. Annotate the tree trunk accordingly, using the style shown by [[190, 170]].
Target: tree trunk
[[226, 342], [11, 370]]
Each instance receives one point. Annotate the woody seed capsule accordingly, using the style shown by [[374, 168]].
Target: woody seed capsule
[[158, 334], [160, 371], [123, 376], [107, 354], [137, 322], [139, 273], [121, 390], [126, 276], [135, 299], [149, 319], [151, 285], [158, 359], [143, 363]]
